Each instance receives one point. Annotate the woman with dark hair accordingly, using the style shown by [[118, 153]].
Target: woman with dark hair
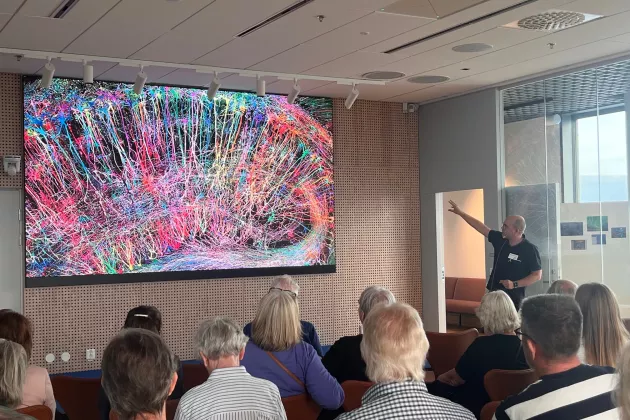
[[37, 387], [149, 318]]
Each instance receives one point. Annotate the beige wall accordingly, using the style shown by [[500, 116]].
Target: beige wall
[[464, 247], [377, 217]]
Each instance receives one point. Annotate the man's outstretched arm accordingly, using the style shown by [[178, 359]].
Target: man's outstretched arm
[[476, 224]]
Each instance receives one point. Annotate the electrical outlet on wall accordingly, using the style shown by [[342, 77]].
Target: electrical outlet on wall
[[90, 354]]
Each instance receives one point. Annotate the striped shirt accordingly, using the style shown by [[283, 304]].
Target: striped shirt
[[232, 394], [579, 393]]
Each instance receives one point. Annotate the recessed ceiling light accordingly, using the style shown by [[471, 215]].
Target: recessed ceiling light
[[383, 75], [365, 33], [428, 79], [465, 69], [474, 47]]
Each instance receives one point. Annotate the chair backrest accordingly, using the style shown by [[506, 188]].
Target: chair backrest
[[171, 409], [301, 407], [38, 412], [488, 410], [445, 349], [194, 374], [471, 289], [354, 391], [77, 396], [500, 384], [449, 287]]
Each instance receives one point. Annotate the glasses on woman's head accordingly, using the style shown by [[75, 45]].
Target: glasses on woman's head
[[282, 290], [521, 334]]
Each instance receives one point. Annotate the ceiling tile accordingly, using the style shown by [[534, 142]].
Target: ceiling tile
[[131, 25], [448, 7], [599, 7], [421, 8], [186, 77], [622, 38], [283, 87], [10, 6], [4, 18], [237, 82], [128, 74], [208, 29], [295, 60], [352, 65], [367, 5], [9, 64], [40, 8]]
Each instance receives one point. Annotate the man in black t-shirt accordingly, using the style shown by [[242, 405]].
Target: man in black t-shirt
[[516, 260]]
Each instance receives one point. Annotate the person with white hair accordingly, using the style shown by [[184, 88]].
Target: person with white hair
[[563, 287], [287, 284], [13, 365], [230, 392], [498, 348], [394, 348], [343, 360]]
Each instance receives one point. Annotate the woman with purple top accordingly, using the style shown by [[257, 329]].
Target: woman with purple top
[[277, 353]]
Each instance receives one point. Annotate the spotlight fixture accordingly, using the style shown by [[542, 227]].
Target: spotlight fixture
[[260, 86], [352, 96], [88, 72], [47, 74], [141, 79], [295, 91], [214, 86]]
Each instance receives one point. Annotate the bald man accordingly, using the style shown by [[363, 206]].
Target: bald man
[[516, 260]]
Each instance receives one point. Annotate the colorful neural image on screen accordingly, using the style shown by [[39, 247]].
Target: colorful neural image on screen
[[170, 181]]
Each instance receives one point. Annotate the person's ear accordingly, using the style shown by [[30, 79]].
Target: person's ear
[[173, 383], [241, 354], [204, 360], [361, 316], [531, 346]]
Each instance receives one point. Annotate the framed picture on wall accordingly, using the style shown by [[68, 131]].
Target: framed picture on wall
[[578, 245], [599, 239], [572, 229], [618, 232], [597, 223]]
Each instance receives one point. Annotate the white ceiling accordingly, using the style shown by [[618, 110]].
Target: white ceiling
[[350, 41]]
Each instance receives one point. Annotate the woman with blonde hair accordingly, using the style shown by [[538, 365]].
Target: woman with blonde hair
[[499, 348], [603, 332], [277, 353], [622, 393], [13, 364]]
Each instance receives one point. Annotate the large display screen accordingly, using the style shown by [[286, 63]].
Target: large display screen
[[171, 185]]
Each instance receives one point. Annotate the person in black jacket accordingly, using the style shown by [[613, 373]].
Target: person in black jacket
[[147, 318], [343, 360]]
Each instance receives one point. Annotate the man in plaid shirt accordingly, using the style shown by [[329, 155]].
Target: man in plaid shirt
[[394, 348]]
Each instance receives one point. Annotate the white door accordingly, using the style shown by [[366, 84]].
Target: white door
[[11, 253]]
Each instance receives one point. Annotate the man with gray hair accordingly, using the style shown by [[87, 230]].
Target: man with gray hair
[[343, 360], [551, 330], [563, 287], [287, 284], [230, 392]]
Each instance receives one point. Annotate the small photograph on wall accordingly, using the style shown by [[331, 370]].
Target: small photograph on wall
[[597, 223], [618, 232], [599, 239], [578, 245], [572, 229]]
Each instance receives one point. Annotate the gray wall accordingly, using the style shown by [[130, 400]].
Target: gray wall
[[459, 150]]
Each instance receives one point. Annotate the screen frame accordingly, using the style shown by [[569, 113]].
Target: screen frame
[[161, 276]]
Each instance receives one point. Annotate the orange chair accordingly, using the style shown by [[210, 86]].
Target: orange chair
[[487, 412], [354, 391], [445, 349], [38, 412], [194, 374], [171, 409], [500, 384], [301, 407], [77, 396]]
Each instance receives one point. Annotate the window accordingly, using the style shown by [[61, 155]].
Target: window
[[602, 168]]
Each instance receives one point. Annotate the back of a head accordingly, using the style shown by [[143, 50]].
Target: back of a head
[[276, 326], [220, 337], [373, 296], [554, 323], [137, 373], [603, 330], [622, 394], [497, 313], [17, 328], [13, 364], [145, 317], [285, 282], [562, 287], [394, 344]]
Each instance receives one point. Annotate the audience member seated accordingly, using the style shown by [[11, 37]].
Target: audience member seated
[[567, 389], [139, 372], [277, 353], [309, 335], [499, 348], [147, 318], [229, 391], [37, 387], [343, 360], [13, 367], [622, 393], [562, 287], [603, 330], [394, 348]]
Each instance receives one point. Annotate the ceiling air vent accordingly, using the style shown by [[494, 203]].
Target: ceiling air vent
[[295, 6], [63, 9], [552, 20], [383, 75]]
